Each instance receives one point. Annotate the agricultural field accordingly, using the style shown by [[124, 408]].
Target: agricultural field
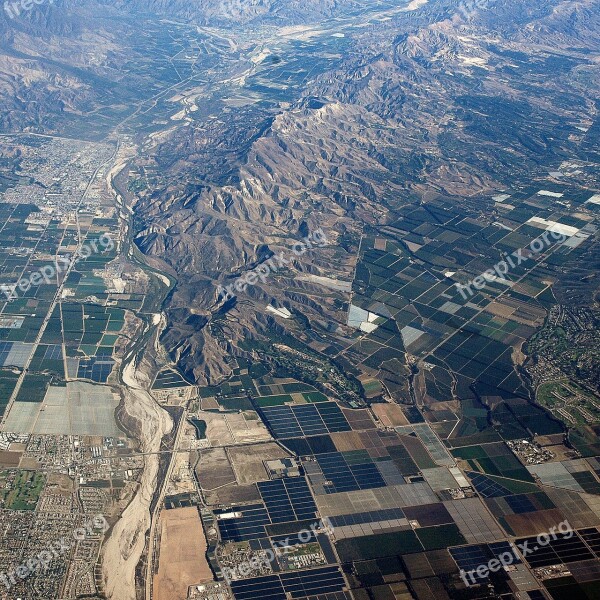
[[428, 482], [65, 297], [168, 379], [414, 302]]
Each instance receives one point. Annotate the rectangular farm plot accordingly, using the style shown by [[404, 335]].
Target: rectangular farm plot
[[390, 415], [496, 459], [33, 388], [95, 369], [361, 501], [287, 499], [167, 379], [346, 471], [305, 420], [436, 449], [8, 383], [369, 523], [306, 446], [277, 400], [474, 521], [468, 558], [359, 420], [313, 583], [14, 354], [243, 523], [556, 552], [77, 409]]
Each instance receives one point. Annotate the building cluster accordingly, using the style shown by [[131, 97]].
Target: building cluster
[[530, 452]]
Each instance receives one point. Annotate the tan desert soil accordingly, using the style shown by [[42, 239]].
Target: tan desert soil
[[182, 560]]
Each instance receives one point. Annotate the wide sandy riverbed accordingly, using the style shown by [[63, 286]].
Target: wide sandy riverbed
[[124, 547]]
